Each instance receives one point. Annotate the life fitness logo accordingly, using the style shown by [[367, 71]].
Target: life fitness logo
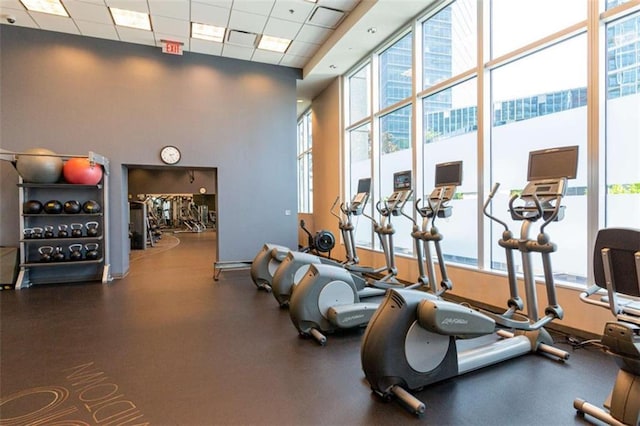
[[88, 398]]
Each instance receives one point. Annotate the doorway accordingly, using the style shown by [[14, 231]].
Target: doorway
[[169, 201]]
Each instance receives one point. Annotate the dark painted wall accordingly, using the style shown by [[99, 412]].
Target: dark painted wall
[[170, 180], [73, 94]]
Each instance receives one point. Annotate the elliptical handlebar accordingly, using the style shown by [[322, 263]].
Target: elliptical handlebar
[[410, 217], [515, 211], [485, 211], [333, 206]]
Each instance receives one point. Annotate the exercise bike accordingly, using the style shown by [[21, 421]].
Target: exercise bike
[[328, 298], [616, 261], [270, 256], [295, 264], [414, 339]]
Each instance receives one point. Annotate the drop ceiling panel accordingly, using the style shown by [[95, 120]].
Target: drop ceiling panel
[[244, 21], [258, 7], [266, 57], [88, 12], [346, 5], [293, 61], [238, 52], [325, 17], [23, 19], [292, 10], [205, 14], [280, 28], [177, 9], [136, 6], [55, 23], [313, 34], [241, 38], [302, 48], [170, 26], [11, 4], [93, 29], [205, 46], [132, 35]]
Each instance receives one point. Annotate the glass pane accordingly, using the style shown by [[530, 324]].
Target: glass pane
[[360, 94], [360, 167], [450, 134], [517, 23], [449, 42], [540, 102], [622, 125], [396, 156], [613, 3], [395, 72]]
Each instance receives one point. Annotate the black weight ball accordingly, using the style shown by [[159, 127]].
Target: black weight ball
[[53, 207], [72, 207], [32, 207], [91, 206]]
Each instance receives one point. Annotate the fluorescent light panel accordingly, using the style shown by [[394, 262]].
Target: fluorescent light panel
[[207, 32], [53, 7], [274, 44], [131, 19]]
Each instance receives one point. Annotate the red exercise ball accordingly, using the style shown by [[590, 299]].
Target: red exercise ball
[[81, 171]]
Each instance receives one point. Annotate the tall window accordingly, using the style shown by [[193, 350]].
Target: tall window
[[360, 167], [395, 156], [395, 72], [450, 123], [305, 169], [515, 24], [449, 42], [538, 106], [622, 125], [527, 90]]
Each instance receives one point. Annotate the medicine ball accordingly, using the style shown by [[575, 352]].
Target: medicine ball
[[35, 166], [91, 206], [81, 171], [32, 207], [72, 207], [53, 207]]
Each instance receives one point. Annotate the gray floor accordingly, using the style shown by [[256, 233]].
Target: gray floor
[[169, 346]]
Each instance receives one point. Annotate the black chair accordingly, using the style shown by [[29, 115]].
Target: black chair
[[616, 261]]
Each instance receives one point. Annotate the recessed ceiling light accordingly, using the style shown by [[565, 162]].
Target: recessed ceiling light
[[53, 7], [274, 44], [131, 19], [207, 32]]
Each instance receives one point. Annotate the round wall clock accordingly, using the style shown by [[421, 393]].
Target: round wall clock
[[170, 154]]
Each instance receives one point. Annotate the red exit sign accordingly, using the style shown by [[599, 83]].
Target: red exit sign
[[172, 47]]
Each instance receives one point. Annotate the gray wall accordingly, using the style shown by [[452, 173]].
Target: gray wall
[[72, 95]]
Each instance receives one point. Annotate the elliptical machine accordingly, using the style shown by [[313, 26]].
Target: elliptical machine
[[270, 256], [414, 340], [616, 264], [328, 298], [295, 264], [447, 177]]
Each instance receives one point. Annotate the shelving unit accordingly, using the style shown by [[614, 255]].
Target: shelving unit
[[33, 270]]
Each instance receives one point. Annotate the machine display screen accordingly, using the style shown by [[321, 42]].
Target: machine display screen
[[449, 174], [364, 185], [402, 180], [553, 163]]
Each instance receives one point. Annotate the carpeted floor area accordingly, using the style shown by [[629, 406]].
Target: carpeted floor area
[[169, 346]]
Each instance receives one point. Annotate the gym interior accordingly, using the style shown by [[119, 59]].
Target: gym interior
[[203, 163]]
